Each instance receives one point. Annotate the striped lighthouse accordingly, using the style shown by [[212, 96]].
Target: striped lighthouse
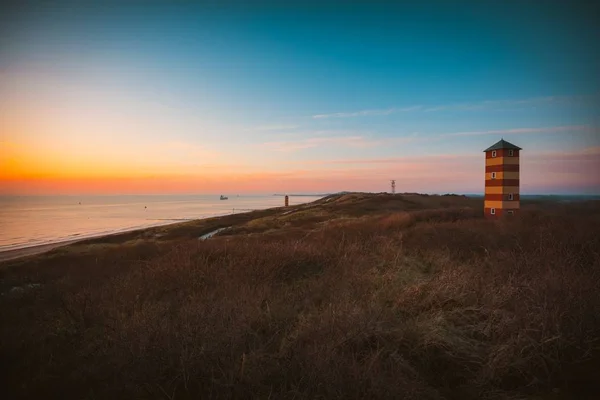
[[501, 179]]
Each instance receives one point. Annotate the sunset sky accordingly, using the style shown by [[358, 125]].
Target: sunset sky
[[296, 97]]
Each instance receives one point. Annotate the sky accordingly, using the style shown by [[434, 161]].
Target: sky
[[296, 97]]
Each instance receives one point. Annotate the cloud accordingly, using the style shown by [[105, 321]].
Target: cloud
[[493, 104], [481, 105], [591, 154], [563, 170], [355, 141], [541, 172], [518, 131], [363, 113], [315, 139], [350, 141], [268, 128], [396, 160], [537, 166]]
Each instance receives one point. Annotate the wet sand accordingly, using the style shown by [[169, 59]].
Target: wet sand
[[44, 248], [33, 250]]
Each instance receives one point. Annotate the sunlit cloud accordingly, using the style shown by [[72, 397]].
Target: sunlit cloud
[[559, 171], [96, 146], [588, 154], [458, 173]]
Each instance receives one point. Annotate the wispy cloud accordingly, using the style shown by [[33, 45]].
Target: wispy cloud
[[425, 159], [520, 131], [355, 141], [591, 154], [501, 104], [315, 139], [362, 113], [350, 141], [584, 154], [270, 128], [473, 106]]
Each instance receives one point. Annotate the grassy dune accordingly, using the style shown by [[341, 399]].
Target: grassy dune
[[353, 297]]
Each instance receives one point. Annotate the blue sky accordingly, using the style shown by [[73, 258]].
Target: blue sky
[[324, 91]]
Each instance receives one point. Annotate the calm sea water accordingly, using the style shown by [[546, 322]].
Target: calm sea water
[[33, 220]]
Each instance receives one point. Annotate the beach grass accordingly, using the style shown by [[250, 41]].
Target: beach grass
[[354, 296]]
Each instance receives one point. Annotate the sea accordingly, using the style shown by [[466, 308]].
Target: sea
[[27, 221]]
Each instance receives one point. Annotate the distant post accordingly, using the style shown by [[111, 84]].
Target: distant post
[[287, 200]]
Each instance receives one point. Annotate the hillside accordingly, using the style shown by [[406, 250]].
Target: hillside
[[353, 296]]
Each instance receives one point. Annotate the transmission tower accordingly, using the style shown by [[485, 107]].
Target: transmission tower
[[393, 186]]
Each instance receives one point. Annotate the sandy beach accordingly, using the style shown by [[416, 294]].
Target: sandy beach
[[31, 225], [33, 250]]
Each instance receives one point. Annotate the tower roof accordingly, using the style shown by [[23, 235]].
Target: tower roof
[[502, 144]]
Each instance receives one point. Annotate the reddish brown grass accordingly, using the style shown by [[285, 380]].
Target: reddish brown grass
[[430, 304]]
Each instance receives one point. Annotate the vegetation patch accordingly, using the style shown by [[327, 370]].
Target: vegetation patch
[[360, 296]]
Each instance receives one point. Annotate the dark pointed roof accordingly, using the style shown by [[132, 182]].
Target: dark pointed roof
[[502, 144]]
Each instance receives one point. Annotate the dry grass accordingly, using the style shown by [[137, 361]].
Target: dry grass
[[391, 302]]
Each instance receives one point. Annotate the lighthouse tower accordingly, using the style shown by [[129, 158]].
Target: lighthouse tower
[[501, 180]]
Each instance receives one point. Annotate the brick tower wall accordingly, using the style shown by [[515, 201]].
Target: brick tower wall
[[501, 180]]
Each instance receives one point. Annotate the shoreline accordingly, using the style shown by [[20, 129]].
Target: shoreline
[[8, 255], [36, 249], [40, 248]]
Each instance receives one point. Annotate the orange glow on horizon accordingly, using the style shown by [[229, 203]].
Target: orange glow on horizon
[[39, 168]]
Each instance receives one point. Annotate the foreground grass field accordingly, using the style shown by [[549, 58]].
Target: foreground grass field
[[353, 297]]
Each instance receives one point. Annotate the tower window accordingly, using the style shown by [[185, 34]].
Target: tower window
[[511, 153], [511, 196], [494, 153], [493, 211], [493, 175]]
